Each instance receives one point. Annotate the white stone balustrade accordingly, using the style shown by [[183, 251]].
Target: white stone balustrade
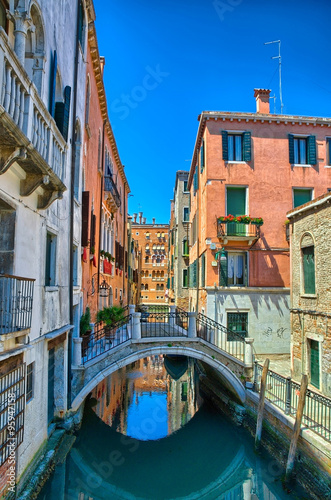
[[20, 99]]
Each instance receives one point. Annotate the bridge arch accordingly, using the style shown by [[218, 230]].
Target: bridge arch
[[229, 379]]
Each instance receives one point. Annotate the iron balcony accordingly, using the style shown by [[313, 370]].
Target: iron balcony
[[236, 231], [110, 187], [16, 301]]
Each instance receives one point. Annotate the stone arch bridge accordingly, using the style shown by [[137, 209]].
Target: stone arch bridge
[[153, 332]]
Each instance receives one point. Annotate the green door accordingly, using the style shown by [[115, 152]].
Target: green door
[[236, 205], [314, 364]]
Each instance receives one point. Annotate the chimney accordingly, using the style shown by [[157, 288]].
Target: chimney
[[262, 101], [135, 218], [140, 217], [102, 64], [144, 220], [153, 221]]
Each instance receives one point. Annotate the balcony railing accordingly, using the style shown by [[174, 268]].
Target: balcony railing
[[16, 299], [110, 187], [238, 230], [27, 121]]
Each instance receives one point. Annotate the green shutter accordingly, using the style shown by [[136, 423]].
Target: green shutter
[[203, 269], [291, 148], [53, 85], [301, 196], [314, 363], [195, 179], [225, 145], [311, 143], [309, 269], [247, 148], [168, 283], [62, 113], [202, 156], [223, 267]]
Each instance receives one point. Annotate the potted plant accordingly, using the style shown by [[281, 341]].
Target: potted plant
[[85, 322], [102, 253]]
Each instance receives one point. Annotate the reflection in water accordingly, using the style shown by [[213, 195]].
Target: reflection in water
[[118, 453], [149, 399]]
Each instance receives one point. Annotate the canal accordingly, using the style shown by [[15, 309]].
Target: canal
[[148, 434]]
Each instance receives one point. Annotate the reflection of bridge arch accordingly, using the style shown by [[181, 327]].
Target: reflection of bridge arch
[[99, 370], [96, 476]]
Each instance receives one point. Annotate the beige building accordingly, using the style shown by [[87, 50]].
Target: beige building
[[310, 234]]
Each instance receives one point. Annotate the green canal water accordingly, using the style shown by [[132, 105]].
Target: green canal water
[[147, 434]]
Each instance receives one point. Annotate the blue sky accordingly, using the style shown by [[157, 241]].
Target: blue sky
[[166, 61]]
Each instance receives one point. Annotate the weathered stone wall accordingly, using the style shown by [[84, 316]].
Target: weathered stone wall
[[312, 226]]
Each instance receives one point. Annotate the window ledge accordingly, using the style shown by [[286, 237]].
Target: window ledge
[[300, 165], [309, 295], [241, 162], [327, 166], [51, 288]]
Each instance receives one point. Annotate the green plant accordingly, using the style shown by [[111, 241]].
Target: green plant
[[92, 250], [85, 322], [102, 253], [110, 315], [169, 345]]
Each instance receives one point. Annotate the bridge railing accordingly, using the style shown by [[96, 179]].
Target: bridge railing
[[284, 393], [163, 324], [231, 342], [105, 338]]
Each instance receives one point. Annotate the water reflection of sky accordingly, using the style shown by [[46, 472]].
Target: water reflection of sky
[[147, 416]]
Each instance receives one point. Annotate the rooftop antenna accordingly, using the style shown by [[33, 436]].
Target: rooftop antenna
[[280, 72], [274, 98]]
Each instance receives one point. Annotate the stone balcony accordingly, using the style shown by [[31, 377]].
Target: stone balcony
[[28, 133], [234, 231]]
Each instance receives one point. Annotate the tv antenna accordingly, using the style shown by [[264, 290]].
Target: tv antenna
[[279, 57]]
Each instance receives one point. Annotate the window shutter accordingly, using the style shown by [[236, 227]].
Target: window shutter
[[85, 214], [203, 269], [195, 179], [309, 269], [62, 113], [93, 224], [247, 146], [53, 86], [311, 150], [291, 148], [202, 156], [223, 269], [246, 270], [225, 154]]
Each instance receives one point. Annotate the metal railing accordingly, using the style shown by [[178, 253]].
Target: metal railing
[[284, 393], [231, 342], [237, 229], [105, 338], [157, 321], [181, 318], [110, 187], [16, 300]]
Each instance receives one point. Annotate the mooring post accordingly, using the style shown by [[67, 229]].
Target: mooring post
[[255, 384], [288, 396], [297, 427], [261, 404]]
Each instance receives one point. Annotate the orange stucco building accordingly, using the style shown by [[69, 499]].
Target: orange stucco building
[[104, 197], [153, 242], [260, 165]]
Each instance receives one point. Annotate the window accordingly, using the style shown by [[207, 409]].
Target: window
[[185, 278], [314, 350], [148, 236], [186, 214], [75, 265], [81, 25], [203, 270], [3, 17], [100, 152], [88, 99], [29, 381], [202, 156], [185, 186], [238, 322], [308, 264], [185, 248], [235, 205], [328, 151], [50, 271], [233, 269], [302, 150], [301, 196], [236, 146]]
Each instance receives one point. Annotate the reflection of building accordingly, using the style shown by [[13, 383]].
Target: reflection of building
[[179, 241], [153, 241], [310, 235]]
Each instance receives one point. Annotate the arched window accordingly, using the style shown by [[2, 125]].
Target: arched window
[[142, 286], [81, 25], [308, 264], [146, 286], [35, 49], [162, 286]]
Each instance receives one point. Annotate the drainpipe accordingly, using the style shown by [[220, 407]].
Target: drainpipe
[[101, 196], [71, 231], [302, 344]]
